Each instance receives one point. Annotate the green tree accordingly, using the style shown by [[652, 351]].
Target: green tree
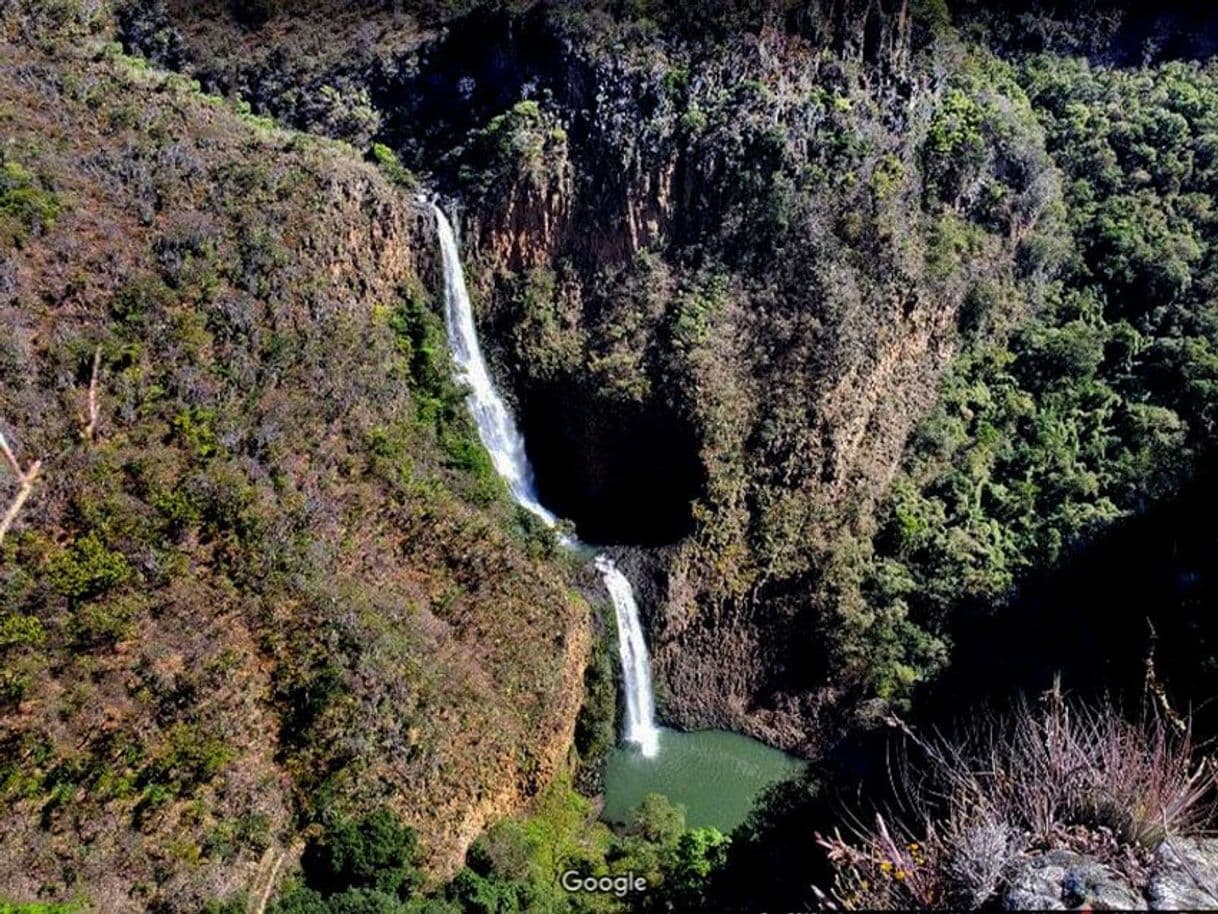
[[375, 852]]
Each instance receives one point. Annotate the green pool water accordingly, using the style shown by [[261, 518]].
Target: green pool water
[[714, 774]]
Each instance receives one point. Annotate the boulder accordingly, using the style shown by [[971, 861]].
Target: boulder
[[1060, 880], [1184, 876]]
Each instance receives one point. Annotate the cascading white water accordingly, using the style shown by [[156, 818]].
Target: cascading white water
[[636, 665], [495, 424], [503, 440]]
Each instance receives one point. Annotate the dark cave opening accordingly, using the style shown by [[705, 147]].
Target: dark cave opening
[[625, 474]]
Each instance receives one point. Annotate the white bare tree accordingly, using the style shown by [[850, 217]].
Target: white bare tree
[[25, 484], [90, 418]]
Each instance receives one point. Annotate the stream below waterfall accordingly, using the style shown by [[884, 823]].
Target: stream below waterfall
[[714, 774]]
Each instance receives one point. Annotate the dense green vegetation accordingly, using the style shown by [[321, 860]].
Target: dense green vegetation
[[1048, 429], [366, 866]]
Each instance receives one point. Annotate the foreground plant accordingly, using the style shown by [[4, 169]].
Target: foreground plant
[[1046, 777]]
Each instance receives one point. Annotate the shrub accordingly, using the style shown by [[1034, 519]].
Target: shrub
[[393, 168], [190, 756], [955, 144], [420, 339], [344, 112], [25, 206], [108, 620], [194, 428], [595, 732], [179, 508], [538, 538], [300, 900], [138, 300], [696, 855], [658, 820], [365, 901], [86, 569], [375, 852], [1060, 775], [238, 904], [21, 631]]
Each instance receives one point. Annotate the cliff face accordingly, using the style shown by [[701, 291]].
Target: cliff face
[[730, 238], [722, 276], [259, 580]]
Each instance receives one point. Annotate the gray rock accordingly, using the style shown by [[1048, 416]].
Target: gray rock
[[1059, 880], [1184, 876], [1035, 885]]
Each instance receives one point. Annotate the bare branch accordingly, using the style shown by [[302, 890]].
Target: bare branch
[[11, 457], [91, 426], [25, 480], [27, 486]]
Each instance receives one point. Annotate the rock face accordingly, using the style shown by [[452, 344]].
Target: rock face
[[1183, 876], [1063, 880], [686, 281], [726, 237]]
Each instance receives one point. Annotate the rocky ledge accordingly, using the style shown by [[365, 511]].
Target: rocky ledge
[[1183, 876]]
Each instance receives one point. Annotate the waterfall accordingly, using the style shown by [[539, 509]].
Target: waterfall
[[498, 431], [636, 665]]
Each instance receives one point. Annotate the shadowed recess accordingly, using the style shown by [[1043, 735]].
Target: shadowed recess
[[623, 473]]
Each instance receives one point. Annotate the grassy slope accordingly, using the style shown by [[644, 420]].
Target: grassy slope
[[275, 582]]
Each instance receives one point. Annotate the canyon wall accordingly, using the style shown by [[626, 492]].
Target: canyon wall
[[715, 265]]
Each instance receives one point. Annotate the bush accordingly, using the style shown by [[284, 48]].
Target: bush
[[376, 852], [106, 621], [300, 900], [365, 901], [344, 112], [86, 569], [1074, 776], [658, 820], [25, 206], [194, 427], [190, 756], [595, 733], [238, 904], [420, 339], [393, 168]]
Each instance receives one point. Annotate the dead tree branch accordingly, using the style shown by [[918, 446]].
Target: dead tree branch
[[90, 431], [25, 484]]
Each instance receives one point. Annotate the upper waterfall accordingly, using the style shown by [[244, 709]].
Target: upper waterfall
[[496, 426], [501, 437]]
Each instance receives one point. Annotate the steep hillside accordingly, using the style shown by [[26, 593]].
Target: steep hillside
[[853, 330], [720, 277], [731, 258], [265, 576]]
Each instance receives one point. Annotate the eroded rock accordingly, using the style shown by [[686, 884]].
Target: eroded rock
[[1185, 876], [1062, 880]]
